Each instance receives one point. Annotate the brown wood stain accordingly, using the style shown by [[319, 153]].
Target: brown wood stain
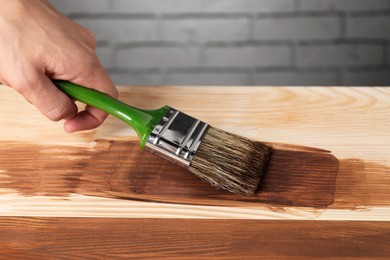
[[296, 176], [362, 184], [120, 169]]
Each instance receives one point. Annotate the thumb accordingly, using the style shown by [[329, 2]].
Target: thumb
[[91, 117]]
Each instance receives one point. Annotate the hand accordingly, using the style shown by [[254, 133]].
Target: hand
[[37, 44]]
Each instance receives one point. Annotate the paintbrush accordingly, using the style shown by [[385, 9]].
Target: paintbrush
[[225, 160]]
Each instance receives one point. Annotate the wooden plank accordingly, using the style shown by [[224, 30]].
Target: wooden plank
[[43, 166], [331, 162], [343, 120], [96, 238]]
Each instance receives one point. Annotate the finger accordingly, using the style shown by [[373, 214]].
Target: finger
[[42, 93], [91, 117], [85, 120], [3, 82]]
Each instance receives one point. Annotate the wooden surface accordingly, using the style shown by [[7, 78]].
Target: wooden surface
[[103, 238], [95, 194]]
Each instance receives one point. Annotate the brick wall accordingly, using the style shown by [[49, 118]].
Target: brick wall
[[239, 42]]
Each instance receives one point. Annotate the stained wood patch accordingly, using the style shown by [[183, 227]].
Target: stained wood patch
[[296, 176]]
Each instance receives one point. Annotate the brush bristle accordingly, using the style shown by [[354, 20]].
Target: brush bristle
[[230, 162]]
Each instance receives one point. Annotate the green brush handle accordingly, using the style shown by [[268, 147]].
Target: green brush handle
[[143, 121]]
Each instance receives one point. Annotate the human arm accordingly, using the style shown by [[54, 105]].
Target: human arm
[[37, 44]]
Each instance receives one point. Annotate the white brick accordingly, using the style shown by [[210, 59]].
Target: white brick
[[343, 5], [340, 55], [158, 57], [81, 6], [208, 78], [202, 30], [367, 78], [105, 55], [250, 56], [198, 6], [297, 28], [122, 30], [157, 6], [369, 27], [177, 57], [136, 79], [296, 79], [249, 6]]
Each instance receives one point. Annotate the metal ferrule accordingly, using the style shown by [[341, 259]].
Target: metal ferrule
[[177, 137]]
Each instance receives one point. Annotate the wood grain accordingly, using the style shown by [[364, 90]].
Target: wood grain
[[96, 238]]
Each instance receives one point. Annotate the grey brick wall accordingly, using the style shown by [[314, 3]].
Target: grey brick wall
[[239, 42]]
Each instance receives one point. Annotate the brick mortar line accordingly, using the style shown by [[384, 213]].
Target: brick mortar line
[[347, 41], [180, 16], [300, 14], [243, 44], [297, 69], [367, 69], [249, 43], [348, 12], [271, 14], [272, 69], [222, 70], [346, 67], [182, 70], [133, 70], [154, 44], [369, 13], [214, 70], [385, 11], [210, 44], [186, 16], [293, 69], [104, 16]]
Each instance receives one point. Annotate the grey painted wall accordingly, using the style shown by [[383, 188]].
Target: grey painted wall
[[239, 42]]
